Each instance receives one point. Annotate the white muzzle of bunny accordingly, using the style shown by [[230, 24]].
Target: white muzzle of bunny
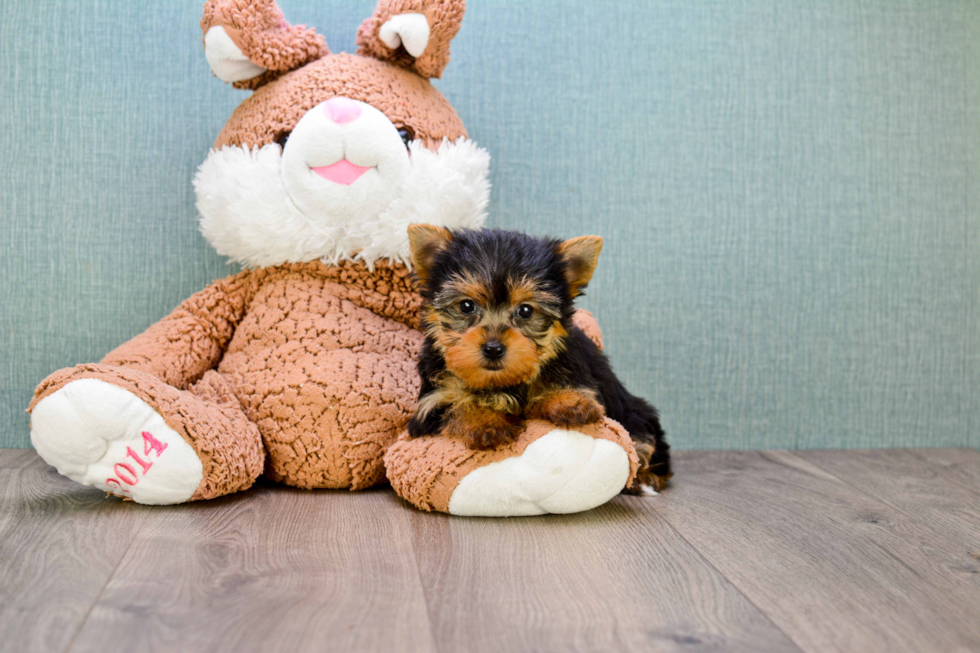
[[343, 188]]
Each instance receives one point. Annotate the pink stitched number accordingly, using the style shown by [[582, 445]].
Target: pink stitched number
[[130, 470], [145, 465], [150, 443], [112, 481]]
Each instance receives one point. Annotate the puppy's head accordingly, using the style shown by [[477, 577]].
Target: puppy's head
[[499, 303]]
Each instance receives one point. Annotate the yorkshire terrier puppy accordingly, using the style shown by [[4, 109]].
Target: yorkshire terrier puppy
[[500, 345]]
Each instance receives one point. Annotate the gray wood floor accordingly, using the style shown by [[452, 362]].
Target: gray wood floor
[[748, 551]]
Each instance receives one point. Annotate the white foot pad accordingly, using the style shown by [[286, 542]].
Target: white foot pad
[[99, 435], [561, 472]]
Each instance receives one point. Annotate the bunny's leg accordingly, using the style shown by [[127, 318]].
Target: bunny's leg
[[131, 434]]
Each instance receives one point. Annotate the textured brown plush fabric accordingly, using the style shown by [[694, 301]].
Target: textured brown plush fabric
[[181, 347], [584, 320], [408, 100], [262, 33], [324, 364], [426, 471], [318, 359], [444, 18]]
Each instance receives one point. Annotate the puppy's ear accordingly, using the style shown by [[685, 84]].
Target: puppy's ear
[[581, 255], [249, 42], [425, 241]]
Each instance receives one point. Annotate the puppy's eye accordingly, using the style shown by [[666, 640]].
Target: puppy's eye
[[525, 312], [407, 135], [467, 306], [281, 139]]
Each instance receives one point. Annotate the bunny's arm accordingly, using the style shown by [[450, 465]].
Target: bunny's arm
[[181, 347]]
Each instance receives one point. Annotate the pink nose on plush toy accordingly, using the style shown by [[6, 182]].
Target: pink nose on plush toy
[[342, 110]]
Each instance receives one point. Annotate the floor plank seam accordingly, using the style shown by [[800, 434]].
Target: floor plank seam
[[918, 520], [98, 597], [859, 490], [418, 574], [729, 580]]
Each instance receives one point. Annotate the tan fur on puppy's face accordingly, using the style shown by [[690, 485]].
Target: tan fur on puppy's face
[[465, 359], [529, 341]]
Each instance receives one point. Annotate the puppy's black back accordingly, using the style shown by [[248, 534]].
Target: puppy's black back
[[583, 364]]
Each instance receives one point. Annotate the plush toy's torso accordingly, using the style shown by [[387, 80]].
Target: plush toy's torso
[[326, 355]]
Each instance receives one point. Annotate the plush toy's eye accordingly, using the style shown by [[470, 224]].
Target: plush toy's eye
[[407, 135], [467, 306], [525, 312], [281, 139]]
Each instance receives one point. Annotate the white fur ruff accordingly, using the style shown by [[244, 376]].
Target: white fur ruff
[[248, 215]]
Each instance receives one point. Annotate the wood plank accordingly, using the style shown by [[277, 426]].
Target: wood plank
[[842, 551], [958, 465], [270, 569], [905, 480], [59, 544], [16, 458], [835, 569], [617, 578]]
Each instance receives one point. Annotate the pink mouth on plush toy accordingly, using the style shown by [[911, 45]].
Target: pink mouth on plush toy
[[343, 172]]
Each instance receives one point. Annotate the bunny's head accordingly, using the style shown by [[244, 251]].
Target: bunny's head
[[334, 155]]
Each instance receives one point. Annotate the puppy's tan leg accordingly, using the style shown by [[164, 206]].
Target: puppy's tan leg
[[483, 428], [567, 407]]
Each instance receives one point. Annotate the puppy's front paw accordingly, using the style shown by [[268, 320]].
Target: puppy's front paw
[[568, 408], [491, 436], [485, 429]]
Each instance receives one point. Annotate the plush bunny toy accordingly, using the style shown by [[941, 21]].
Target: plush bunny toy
[[302, 367]]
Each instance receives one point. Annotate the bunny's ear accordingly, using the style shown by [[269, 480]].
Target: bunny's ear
[[249, 42], [414, 34]]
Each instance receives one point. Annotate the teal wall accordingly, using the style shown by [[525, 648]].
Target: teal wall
[[789, 192]]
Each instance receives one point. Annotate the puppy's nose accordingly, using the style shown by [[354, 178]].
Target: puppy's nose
[[494, 350], [342, 110]]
